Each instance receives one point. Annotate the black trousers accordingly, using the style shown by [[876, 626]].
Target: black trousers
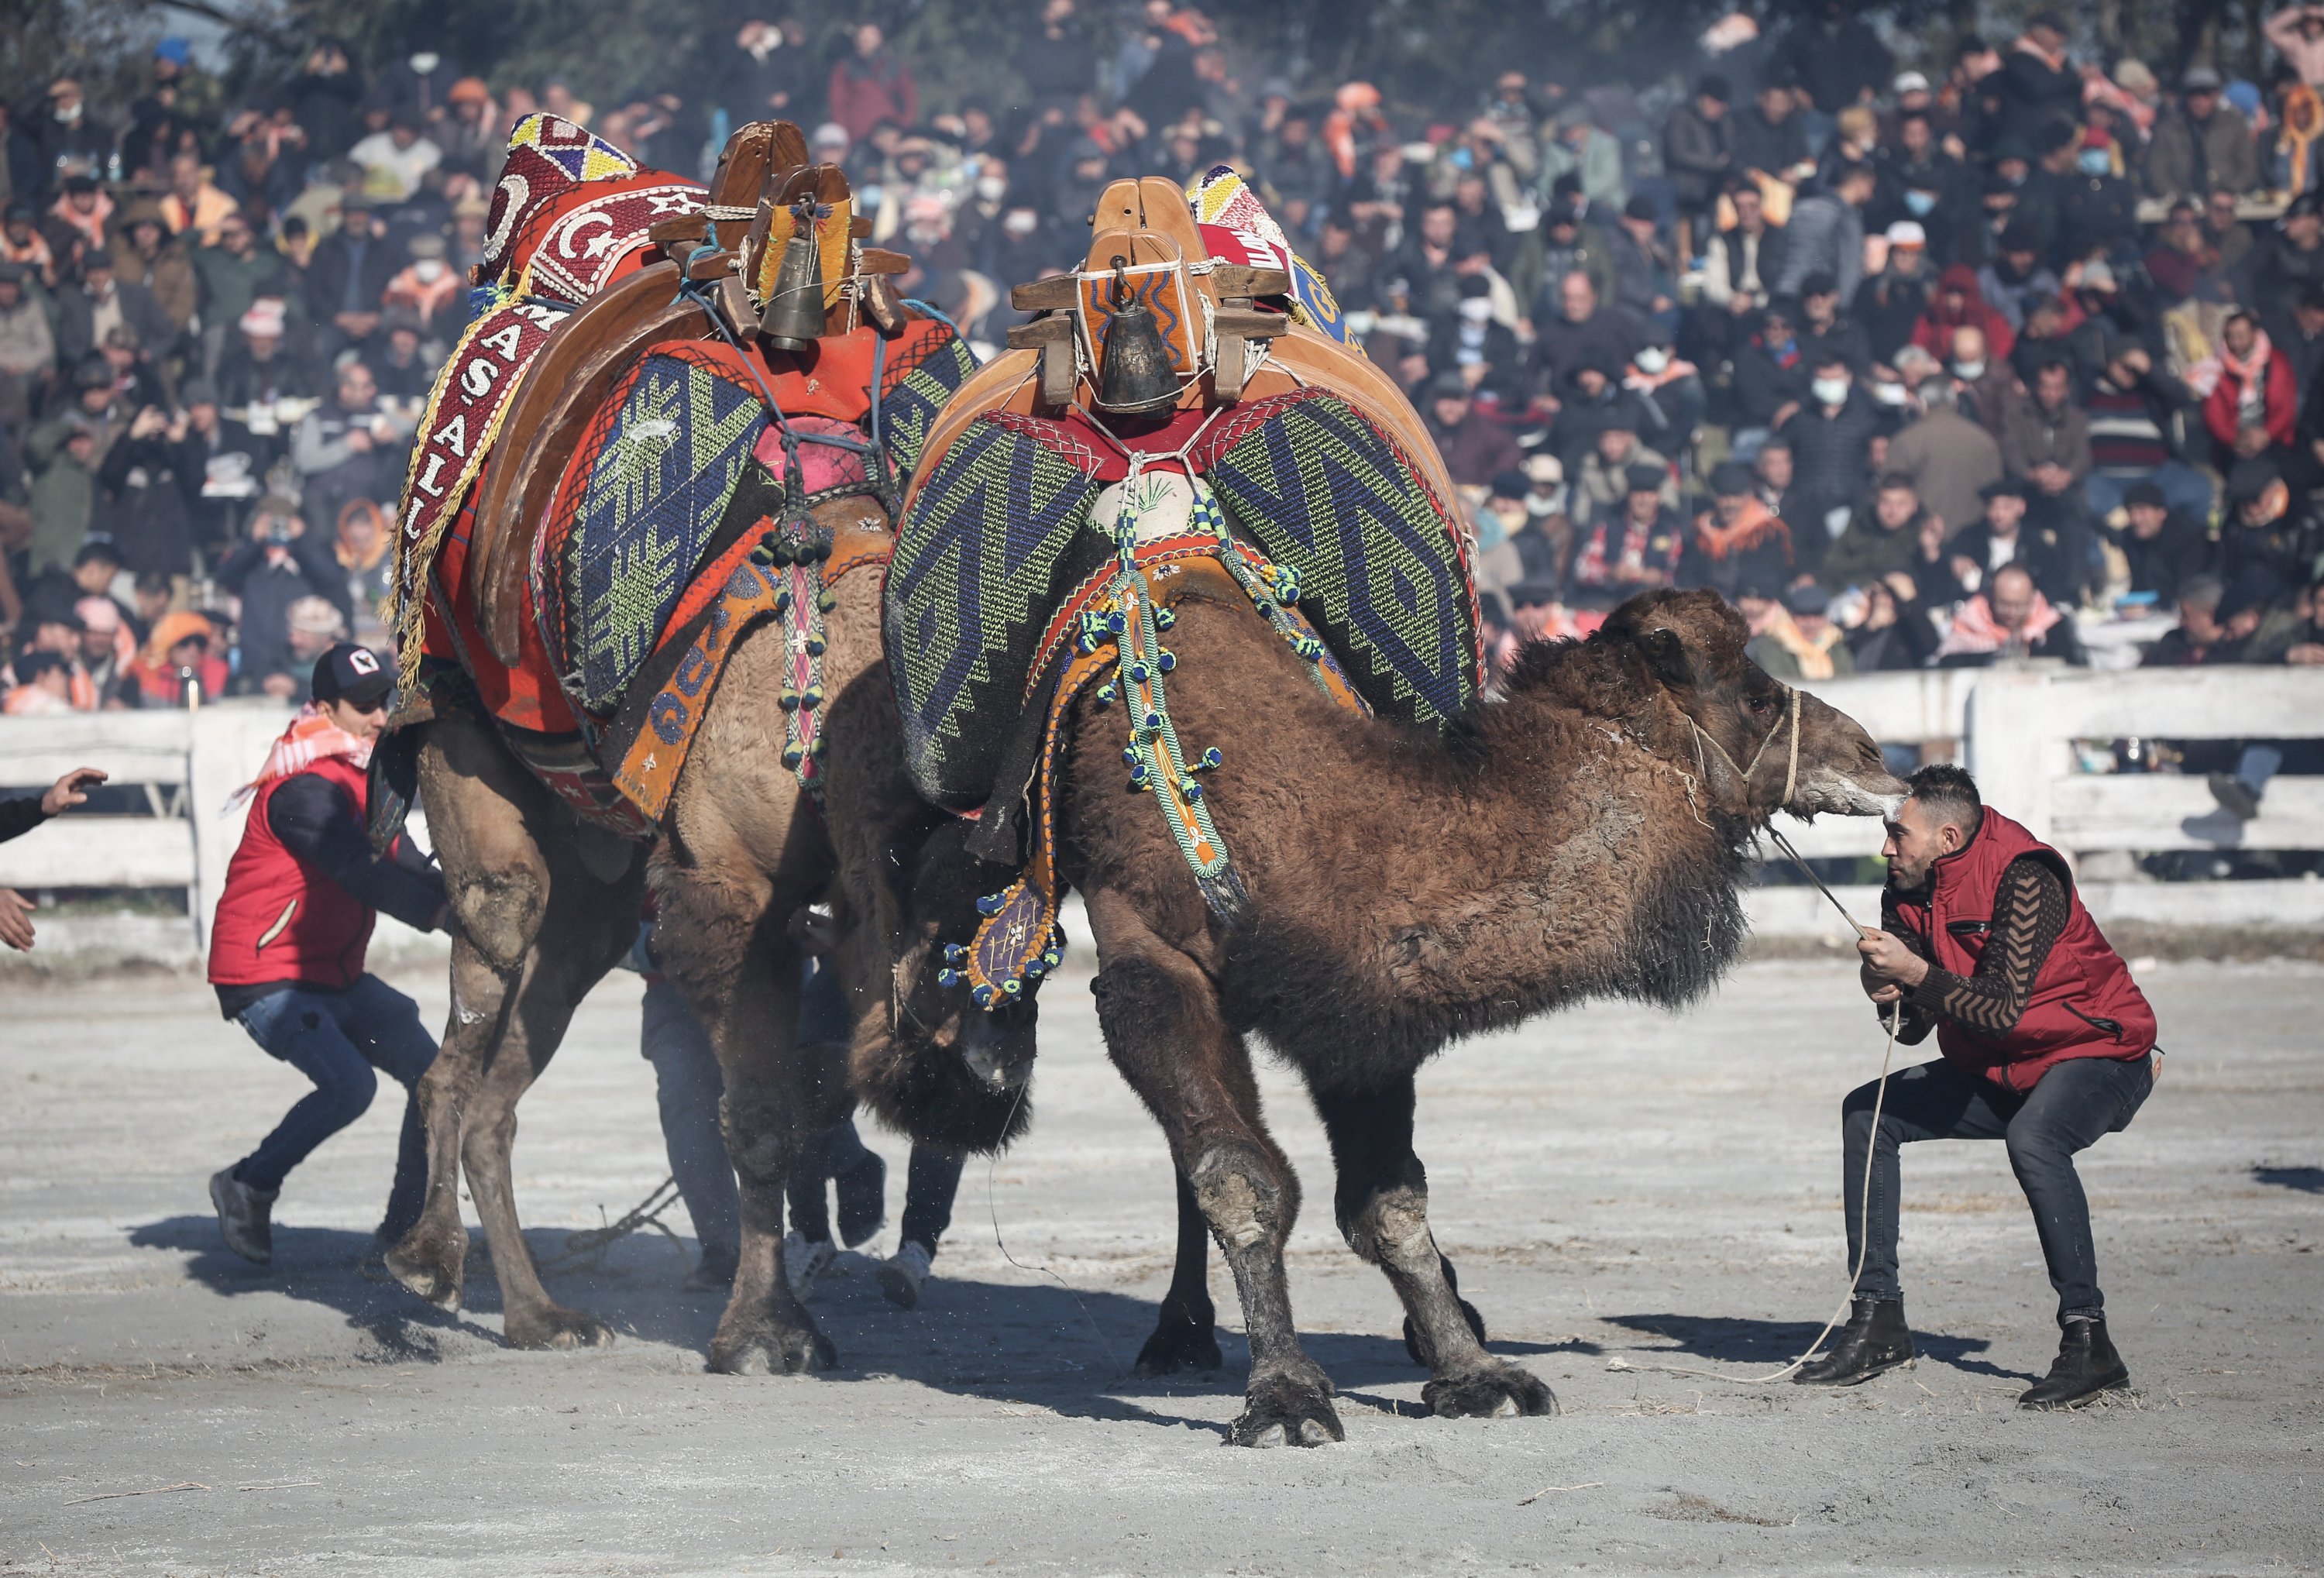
[[2067, 1110]]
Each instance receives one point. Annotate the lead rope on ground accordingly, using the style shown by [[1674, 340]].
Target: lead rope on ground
[[1864, 1209], [589, 1245], [992, 1209]]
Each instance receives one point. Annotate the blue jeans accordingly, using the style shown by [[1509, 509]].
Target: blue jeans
[[2067, 1111], [2183, 488], [687, 1086], [2261, 760], [336, 1039]]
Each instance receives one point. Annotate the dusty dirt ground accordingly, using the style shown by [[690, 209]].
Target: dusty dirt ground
[[1616, 1185]]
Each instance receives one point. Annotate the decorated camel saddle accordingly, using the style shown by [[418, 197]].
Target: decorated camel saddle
[[1181, 420], [613, 477]]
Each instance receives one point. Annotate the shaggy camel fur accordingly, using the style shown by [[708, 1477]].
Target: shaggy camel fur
[[1582, 837], [543, 906]]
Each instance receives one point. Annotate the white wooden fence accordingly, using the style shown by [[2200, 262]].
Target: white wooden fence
[[2015, 727]]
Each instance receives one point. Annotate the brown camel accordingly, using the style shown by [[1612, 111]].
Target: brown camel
[[1583, 836]]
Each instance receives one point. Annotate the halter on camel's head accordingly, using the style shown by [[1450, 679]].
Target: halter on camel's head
[[1761, 746]]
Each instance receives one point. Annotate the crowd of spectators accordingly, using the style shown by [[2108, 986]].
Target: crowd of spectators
[[2016, 354]]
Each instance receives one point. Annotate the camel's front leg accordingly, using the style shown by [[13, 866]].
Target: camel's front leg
[[482, 809], [1382, 1205], [1164, 1032]]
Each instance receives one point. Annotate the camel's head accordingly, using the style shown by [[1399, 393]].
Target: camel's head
[[936, 1065], [1766, 746]]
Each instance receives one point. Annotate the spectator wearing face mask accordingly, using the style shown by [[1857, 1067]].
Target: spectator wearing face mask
[[1467, 341], [428, 287], [1016, 251], [1668, 392], [1985, 385], [1831, 435], [2097, 210]]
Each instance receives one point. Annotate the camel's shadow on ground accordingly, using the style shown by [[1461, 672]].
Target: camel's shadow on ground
[[1736, 1341], [1070, 1351]]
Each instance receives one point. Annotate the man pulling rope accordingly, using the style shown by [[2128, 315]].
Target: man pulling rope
[[2047, 1045]]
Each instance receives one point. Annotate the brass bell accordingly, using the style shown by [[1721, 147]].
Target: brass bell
[[1136, 374], [792, 318]]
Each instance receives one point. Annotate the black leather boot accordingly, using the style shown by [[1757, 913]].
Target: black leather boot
[[1875, 1340], [2086, 1365]]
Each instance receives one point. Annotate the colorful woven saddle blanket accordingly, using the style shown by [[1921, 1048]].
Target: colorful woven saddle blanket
[[644, 577], [1005, 528], [683, 458]]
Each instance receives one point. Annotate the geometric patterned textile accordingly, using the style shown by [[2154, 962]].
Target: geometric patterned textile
[[991, 542], [927, 366], [457, 426], [580, 246], [548, 156], [648, 489], [1324, 492], [1237, 229]]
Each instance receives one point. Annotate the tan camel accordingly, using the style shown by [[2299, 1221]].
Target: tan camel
[[544, 906]]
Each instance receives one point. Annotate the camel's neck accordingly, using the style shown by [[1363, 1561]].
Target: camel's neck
[[1553, 851]]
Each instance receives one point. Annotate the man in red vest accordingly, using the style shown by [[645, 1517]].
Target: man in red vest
[[286, 949], [2048, 1044]]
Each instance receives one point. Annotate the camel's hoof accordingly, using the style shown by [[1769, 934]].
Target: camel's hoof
[[1280, 1411], [1502, 1391], [761, 1347], [431, 1267], [1180, 1344], [556, 1326], [1412, 1333]]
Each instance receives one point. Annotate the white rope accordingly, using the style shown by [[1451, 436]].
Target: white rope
[[1879, 1101], [1863, 1242]]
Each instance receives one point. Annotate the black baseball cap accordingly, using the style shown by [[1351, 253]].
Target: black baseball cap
[[353, 674]]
